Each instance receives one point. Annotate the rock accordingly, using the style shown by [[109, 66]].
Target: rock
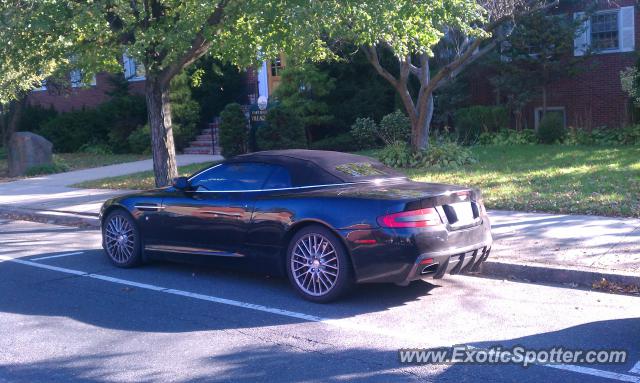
[[26, 150]]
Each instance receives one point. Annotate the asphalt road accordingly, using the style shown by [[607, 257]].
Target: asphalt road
[[67, 314]]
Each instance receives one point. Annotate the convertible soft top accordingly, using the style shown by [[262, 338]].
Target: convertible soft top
[[312, 167]]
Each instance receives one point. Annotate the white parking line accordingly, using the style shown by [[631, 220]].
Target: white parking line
[[58, 256], [340, 323], [635, 369]]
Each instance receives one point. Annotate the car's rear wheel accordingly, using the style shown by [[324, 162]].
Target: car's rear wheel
[[121, 239], [318, 265]]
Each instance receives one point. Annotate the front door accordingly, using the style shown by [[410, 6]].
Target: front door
[[213, 216]]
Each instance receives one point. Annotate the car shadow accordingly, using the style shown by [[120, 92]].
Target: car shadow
[[265, 360]]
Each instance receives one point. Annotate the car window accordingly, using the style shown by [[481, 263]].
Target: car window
[[232, 176], [279, 179]]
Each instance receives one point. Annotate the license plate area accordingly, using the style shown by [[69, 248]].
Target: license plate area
[[461, 214]]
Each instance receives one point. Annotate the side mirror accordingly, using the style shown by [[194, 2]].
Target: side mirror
[[181, 183]]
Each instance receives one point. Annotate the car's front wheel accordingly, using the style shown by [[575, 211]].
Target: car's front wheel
[[121, 239], [318, 265]]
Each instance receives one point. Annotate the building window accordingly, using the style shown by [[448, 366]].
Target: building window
[[276, 67], [133, 71], [605, 31], [608, 31], [75, 78], [550, 110]]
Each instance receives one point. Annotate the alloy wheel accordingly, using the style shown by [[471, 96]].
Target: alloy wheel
[[120, 239], [314, 264]]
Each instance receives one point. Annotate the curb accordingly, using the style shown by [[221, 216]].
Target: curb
[[552, 274], [63, 218]]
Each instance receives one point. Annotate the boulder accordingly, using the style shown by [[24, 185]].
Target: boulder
[[26, 150]]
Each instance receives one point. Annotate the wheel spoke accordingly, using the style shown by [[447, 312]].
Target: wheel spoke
[[314, 264]]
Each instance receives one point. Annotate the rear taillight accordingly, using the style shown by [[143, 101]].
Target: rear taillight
[[414, 218]]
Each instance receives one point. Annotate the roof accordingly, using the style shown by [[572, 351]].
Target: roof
[[312, 167]]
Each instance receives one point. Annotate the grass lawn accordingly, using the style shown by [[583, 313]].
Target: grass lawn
[[136, 181], [544, 178], [76, 161], [551, 178]]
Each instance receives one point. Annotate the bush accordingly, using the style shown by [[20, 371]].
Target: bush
[[630, 135], [394, 127], [283, 130], [365, 133], [140, 140], [68, 132], [185, 112], [33, 117], [342, 143], [508, 137], [399, 155], [443, 155], [447, 154], [233, 130], [39, 170], [551, 129], [473, 121]]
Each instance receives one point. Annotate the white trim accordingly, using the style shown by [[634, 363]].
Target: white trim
[[263, 82], [130, 69], [626, 29]]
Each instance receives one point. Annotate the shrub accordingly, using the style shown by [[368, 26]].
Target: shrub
[[399, 155], [630, 135], [185, 112], [443, 155], [283, 130], [447, 154], [233, 130], [342, 143], [365, 133], [34, 117], [508, 137], [46, 169], [472, 121], [551, 129], [68, 132], [123, 114], [394, 127], [140, 140]]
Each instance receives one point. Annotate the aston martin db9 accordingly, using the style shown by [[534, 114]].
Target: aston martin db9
[[324, 219]]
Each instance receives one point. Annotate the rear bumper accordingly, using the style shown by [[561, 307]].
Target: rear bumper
[[463, 261], [382, 255]]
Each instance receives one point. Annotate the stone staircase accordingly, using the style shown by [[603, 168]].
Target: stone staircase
[[207, 142]]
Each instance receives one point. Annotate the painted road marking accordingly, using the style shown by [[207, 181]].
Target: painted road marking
[[58, 256], [340, 323], [635, 369]]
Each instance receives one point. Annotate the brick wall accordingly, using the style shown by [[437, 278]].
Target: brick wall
[[593, 98], [78, 98]]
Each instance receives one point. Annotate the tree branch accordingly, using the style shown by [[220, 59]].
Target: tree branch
[[372, 55]]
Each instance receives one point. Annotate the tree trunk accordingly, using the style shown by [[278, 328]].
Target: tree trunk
[[420, 128], [159, 116], [14, 114]]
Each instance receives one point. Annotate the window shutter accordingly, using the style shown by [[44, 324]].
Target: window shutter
[[581, 40], [127, 63], [627, 29]]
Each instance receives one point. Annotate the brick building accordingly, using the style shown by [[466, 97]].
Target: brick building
[[594, 97]]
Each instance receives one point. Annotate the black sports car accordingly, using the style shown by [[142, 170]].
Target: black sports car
[[326, 219]]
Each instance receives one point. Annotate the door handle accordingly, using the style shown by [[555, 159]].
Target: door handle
[[222, 214]]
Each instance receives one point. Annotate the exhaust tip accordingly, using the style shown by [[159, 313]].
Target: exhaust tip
[[432, 268]]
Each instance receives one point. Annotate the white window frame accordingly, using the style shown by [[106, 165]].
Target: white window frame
[[41, 88], [590, 31], [130, 69], [76, 75], [583, 42], [537, 111]]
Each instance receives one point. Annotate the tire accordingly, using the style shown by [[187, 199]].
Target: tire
[[318, 265], [121, 239]]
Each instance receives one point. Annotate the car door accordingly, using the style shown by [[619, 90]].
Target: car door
[[212, 218]]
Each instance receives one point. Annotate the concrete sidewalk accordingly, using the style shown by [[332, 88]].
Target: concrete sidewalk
[[553, 248], [52, 199]]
